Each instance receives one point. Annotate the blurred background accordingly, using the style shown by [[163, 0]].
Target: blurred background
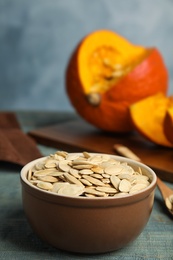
[[37, 38]]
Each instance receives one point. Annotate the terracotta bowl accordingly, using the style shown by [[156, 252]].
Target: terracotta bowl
[[88, 225]]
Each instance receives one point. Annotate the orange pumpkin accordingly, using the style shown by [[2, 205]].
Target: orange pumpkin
[[106, 74], [148, 117], [168, 124]]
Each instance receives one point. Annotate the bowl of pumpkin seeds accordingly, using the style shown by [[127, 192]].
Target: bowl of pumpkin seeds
[[87, 202]]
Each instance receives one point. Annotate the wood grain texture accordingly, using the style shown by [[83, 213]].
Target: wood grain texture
[[77, 135]]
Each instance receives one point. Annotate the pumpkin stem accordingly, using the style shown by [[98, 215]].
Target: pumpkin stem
[[94, 99]]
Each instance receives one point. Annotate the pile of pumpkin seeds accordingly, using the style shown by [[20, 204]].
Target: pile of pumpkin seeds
[[87, 175]]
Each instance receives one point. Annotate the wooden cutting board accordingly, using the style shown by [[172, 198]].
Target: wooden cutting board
[[77, 136]]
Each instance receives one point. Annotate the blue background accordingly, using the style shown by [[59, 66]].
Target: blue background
[[38, 36]]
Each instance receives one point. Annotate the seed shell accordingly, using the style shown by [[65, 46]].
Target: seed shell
[[71, 190], [44, 185], [72, 179], [106, 189], [124, 185]]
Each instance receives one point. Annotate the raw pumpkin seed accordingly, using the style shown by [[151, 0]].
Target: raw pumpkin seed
[[86, 182], [47, 178], [113, 170], [63, 165], [44, 185], [85, 171], [107, 189], [115, 181], [58, 185], [169, 202], [72, 179], [71, 190], [124, 185]]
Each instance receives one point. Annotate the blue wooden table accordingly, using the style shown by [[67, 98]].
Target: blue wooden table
[[18, 241]]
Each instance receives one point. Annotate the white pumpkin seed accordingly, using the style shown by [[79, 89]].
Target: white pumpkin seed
[[126, 176], [29, 175], [71, 157], [121, 194], [56, 173], [63, 165], [106, 180], [71, 190], [168, 203], [49, 165], [171, 198], [44, 185], [97, 169], [107, 189], [86, 182], [86, 155], [47, 178], [62, 153], [97, 176], [82, 166], [42, 172], [105, 175], [115, 181], [58, 185], [113, 170], [137, 187], [82, 162], [72, 179], [75, 173], [85, 171], [124, 185], [39, 166]]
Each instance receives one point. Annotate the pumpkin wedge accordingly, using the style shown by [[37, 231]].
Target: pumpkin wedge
[[148, 118], [106, 73], [168, 124]]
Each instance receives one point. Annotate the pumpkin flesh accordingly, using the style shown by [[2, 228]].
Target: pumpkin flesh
[[168, 123], [148, 116], [101, 67]]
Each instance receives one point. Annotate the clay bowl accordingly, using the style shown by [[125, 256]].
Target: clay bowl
[[88, 225]]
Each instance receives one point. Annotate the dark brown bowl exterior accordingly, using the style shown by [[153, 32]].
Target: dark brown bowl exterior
[[87, 225]]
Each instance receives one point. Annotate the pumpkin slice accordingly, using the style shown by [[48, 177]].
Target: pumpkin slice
[[107, 73], [148, 117], [168, 124]]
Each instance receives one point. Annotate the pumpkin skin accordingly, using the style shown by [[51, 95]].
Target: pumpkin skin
[[168, 124], [148, 117], [147, 76]]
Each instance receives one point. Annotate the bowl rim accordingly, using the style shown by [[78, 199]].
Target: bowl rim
[[55, 198]]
